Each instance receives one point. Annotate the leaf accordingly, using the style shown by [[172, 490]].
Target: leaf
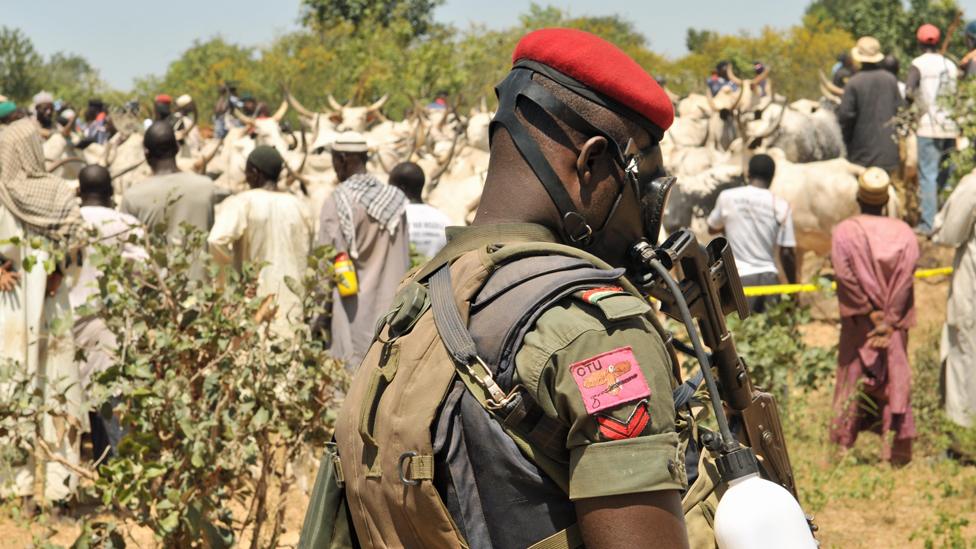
[[170, 522]]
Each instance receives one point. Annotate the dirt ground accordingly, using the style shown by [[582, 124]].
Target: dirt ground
[[858, 501]]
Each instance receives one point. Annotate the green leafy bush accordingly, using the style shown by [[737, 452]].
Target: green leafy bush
[[215, 405], [775, 353]]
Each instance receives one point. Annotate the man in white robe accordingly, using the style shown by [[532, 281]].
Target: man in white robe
[[35, 315], [954, 226], [270, 226]]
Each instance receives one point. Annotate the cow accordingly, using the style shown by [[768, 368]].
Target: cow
[[821, 195], [804, 132]]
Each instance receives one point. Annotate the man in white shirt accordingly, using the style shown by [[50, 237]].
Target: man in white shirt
[[90, 332], [931, 77], [759, 226], [426, 224], [270, 226]]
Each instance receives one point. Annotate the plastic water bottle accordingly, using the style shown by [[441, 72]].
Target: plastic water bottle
[[345, 274], [755, 513]]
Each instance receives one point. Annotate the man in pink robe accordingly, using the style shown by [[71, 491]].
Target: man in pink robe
[[874, 259]]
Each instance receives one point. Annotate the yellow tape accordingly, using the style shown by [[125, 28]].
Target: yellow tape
[[783, 289]]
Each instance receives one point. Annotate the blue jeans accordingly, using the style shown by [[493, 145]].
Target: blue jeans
[[932, 176]]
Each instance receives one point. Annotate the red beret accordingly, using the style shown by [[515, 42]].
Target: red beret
[[600, 66], [163, 98]]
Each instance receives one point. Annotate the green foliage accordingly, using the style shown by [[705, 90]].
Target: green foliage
[[71, 78], [23, 72], [774, 351], [793, 55], [695, 39], [946, 533], [327, 14], [961, 107], [201, 69], [893, 23], [215, 405], [19, 62]]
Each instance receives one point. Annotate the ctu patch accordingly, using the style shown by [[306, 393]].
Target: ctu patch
[[610, 379], [615, 429]]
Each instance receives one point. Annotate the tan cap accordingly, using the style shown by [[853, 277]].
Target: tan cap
[[183, 100], [872, 187], [352, 142], [867, 50]]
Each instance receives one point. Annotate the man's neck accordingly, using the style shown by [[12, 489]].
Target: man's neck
[[165, 166], [758, 183], [99, 201]]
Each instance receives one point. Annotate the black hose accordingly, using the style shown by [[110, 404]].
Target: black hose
[[729, 442]]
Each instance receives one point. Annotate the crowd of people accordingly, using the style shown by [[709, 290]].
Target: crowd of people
[[874, 254], [373, 224]]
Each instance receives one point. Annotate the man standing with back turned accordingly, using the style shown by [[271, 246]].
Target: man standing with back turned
[[759, 226], [871, 99], [270, 226], [931, 77], [583, 451], [874, 259], [366, 219]]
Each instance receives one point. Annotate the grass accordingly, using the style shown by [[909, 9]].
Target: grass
[[858, 500], [862, 502]]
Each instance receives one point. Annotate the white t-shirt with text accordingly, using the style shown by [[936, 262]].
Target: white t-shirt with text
[[755, 221], [425, 226]]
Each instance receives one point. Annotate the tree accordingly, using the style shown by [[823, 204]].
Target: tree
[[19, 65], [71, 77], [696, 39], [204, 67], [326, 14], [890, 22]]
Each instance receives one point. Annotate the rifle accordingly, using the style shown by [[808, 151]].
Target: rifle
[[707, 289]]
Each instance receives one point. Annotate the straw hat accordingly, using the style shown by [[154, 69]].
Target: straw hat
[[872, 187], [867, 50], [351, 142]]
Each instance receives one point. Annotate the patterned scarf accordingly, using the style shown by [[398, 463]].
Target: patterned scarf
[[44, 203], [384, 203]]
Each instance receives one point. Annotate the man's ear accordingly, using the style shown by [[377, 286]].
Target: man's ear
[[590, 152]]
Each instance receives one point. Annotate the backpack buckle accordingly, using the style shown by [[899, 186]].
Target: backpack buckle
[[496, 396]]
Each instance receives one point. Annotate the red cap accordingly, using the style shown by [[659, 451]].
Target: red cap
[[601, 67], [928, 34], [164, 98]]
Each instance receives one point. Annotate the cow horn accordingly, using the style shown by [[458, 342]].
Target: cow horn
[[379, 103], [825, 83], [64, 161], [442, 166], [127, 170], [484, 104], [200, 165], [710, 98], [182, 134], [779, 120], [280, 113], [742, 89], [242, 117], [732, 76], [334, 104], [295, 104]]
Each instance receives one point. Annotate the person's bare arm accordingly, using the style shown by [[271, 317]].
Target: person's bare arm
[[787, 262], [650, 519]]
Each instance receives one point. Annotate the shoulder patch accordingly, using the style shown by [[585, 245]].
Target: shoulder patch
[[594, 295], [610, 379]]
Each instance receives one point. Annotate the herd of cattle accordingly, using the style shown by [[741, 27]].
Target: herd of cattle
[[706, 148]]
